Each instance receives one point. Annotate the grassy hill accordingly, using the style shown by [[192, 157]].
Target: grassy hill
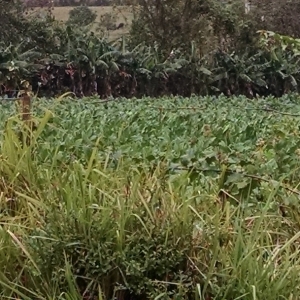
[[123, 14]]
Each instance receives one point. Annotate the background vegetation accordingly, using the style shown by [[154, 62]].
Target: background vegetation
[[168, 44]]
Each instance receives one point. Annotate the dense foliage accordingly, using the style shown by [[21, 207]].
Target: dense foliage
[[164, 54], [172, 199], [86, 64], [277, 15]]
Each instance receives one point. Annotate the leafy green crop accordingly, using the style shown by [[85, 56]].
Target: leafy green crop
[[201, 136], [175, 198]]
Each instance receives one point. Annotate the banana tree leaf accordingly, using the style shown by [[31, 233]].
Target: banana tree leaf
[[111, 54], [261, 82], [245, 77], [113, 66], [205, 71], [102, 64], [293, 81], [144, 71]]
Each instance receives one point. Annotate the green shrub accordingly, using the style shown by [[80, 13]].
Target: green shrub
[[81, 16]]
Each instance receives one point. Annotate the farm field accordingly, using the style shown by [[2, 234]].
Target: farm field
[[123, 13], [172, 198]]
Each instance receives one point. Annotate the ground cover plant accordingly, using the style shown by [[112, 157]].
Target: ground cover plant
[[141, 199]]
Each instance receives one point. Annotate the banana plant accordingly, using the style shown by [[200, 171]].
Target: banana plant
[[16, 65], [284, 57], [153, 69], [239, 73], [96, 60], [192, 71]]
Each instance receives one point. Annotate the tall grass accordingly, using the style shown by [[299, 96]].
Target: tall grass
[[93, 230]]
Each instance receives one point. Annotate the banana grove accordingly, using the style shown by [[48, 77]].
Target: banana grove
[[86, 64]]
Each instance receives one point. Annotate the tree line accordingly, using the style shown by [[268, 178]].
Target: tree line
[[202, 47]]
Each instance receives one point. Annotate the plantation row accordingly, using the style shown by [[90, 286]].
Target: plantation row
[[225, 51], [141, 199], [86, 65]]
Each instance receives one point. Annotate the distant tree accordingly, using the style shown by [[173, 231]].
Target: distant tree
[[173, 24], [108, 21], [81, 16], [12, 19], [277, 15], [17, 21]]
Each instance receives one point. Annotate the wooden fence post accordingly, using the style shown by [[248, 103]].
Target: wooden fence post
[[25, 100], [26, 108]]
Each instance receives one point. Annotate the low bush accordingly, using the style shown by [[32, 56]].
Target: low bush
[[81, 16]]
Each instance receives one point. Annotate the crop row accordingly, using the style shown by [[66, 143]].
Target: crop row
[[259, 139], [172, 198]]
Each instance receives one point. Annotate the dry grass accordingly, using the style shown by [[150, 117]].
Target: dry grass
[[123, 13]]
